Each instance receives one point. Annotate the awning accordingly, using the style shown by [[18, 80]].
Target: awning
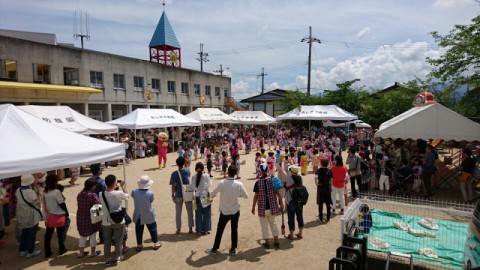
[[48, 87]]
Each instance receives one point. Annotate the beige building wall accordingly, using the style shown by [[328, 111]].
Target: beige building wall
[[111, 101]]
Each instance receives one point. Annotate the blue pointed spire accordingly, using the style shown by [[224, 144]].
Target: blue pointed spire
[[164, 34]]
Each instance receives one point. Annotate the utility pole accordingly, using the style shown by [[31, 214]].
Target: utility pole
[[263, 74], [310, 39], [203, 57], [220, 70]]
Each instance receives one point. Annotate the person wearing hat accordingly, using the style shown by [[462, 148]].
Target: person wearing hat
[[293, 179], [144, 212], [268, 207], [28, 216]]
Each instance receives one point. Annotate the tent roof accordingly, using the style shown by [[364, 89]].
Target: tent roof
[[432, 121], [211, 116], [31, 145], [69, 119], [153, 118], [318, 112], [253, 117]]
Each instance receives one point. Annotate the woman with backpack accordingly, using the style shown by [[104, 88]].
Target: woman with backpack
[[294, 204]]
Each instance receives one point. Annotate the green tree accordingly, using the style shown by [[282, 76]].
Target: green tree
[[380, 107], [460, 65]]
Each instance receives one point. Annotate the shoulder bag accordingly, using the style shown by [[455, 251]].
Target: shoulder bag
[[116, 217], [53, 220], [31, 205], [187, 190]]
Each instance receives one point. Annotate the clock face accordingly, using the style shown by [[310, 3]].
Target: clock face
[[148, 95], [419, 100], [173, 57]]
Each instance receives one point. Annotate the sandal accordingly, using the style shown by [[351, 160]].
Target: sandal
[[289, 237], [157, 246], [81, 255], [298, 236], [139, 248]]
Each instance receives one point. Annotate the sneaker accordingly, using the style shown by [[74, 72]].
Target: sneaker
[[37, 242], [211, 251], [110, 262], [23, 253], [232, 252], [33, 254], [61, 252], [120, 258]]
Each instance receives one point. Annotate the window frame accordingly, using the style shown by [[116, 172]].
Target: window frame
[[208, 90], [96, 84], [197, 89], [169, 87], [187, 90], [136, 80], [156, 90], [115, 80]]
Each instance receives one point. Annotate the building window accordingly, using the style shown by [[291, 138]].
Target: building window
[[70, 76], [8, 70], [138, 83], [207, 90], [171, 86], [156, 85], [96, 79], [118, 82], [225, 92], [41, 73], [196, 89], [217, 91], [184, 88]]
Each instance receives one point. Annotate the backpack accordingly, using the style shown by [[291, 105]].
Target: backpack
[[299, 195]]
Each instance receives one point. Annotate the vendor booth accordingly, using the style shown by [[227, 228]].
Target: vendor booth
[[69, 119], [32, 145], [253, 118]]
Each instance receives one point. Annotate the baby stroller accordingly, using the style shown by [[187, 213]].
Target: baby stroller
[[403, 180]]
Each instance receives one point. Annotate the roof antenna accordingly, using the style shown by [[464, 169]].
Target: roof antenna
[[82, 35], [163, 5]]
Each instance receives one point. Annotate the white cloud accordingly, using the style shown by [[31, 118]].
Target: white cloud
[[398, 63], [362, 33]]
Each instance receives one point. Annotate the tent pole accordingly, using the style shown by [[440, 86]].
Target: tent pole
[[309, 126], [135, 144], [125, 179]]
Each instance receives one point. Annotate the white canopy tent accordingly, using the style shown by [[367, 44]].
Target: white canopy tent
[[212, 116], [32, 145], [153, 118], [253, 117], [69, 119], [318, 112], [432, 121]]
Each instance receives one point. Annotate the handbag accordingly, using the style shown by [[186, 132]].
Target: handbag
[[205, 200], [116, 217], [187, 190], [53, 220], [96, 213]]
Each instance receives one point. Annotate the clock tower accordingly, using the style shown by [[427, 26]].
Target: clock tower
[[164, 46]]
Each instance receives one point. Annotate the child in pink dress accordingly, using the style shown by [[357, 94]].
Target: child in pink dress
[[271, 163]]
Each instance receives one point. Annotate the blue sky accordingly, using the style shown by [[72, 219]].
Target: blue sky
[[379, 42]]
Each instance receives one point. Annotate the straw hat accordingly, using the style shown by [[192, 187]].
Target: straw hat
[[27, 180], [293, 169], [144, 182]]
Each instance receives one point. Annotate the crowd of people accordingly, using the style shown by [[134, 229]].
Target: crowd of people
[[284, 158]]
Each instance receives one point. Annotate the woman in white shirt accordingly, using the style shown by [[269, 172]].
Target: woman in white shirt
[[54, 203], [201, 184]]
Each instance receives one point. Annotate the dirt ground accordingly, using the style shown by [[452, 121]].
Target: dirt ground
[[186, 251]]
